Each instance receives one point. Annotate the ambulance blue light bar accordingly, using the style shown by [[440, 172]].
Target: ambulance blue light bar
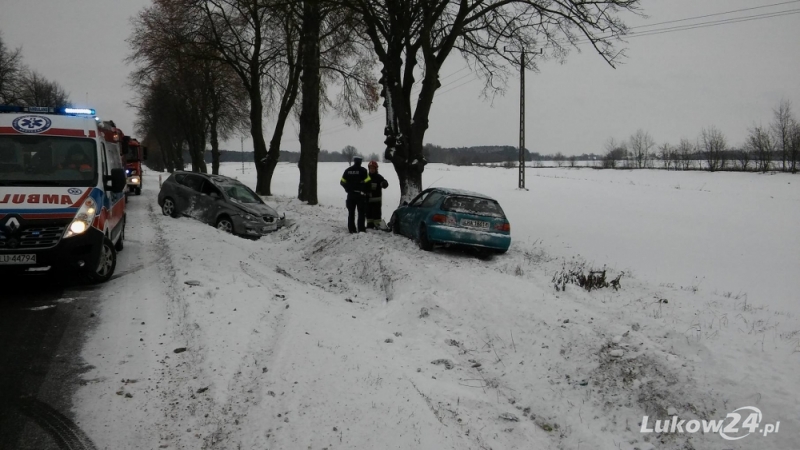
[[81, 111], [47, 110]]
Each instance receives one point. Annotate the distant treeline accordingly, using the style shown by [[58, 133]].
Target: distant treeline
[[433, 153], [463, 156], [286, 156]]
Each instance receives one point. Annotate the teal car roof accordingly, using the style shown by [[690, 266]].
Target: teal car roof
[[453, 191]]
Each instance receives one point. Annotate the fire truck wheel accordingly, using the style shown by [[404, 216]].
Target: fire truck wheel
[[106, 264]]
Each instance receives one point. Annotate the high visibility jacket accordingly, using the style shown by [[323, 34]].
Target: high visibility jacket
[[355, 179]]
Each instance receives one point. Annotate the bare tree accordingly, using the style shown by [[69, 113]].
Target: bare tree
[[11, 70], [413, 37], [349, 152], [615, 151], [333, 52], [781, 125], [665, 154], [745, 156], [640, 144], [794, 151], [157, 119], [714, 147], [259, 40], [208, 98], [36, 90], [559, 159], [675, 157], [685, 151], [761, 143]]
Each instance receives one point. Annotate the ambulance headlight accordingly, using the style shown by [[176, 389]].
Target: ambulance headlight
[[135, 180], [77, 227], [83, 219]]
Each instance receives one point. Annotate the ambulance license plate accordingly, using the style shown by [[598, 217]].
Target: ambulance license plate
[[18, 259]]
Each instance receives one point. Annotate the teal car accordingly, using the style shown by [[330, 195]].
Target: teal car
[[453, 217]]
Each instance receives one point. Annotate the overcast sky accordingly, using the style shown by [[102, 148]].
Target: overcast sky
[[672, 85]]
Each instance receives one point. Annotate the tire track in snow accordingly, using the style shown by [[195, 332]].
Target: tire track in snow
[[66, 434]]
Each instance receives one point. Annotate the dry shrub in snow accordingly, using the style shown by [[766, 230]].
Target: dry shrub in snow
[[581, 274]]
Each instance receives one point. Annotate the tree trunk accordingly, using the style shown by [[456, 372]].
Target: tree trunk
[[260, 155], [214, 137], [309, 116], [197, 148]]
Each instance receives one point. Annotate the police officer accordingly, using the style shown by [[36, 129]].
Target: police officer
[[355, 181], [376, 185]]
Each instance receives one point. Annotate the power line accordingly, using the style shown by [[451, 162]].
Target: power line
[[702, 24], [715, 23], [715, 14], [371, 118]]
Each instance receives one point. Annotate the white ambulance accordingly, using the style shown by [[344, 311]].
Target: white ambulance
[[62, 205]]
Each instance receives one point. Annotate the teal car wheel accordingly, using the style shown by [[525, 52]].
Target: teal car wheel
[[422, 239]]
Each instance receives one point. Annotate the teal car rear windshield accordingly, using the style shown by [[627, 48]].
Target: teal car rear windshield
[[473, 205]]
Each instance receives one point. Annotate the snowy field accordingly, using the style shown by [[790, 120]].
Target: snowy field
[[722, 233], [312, 338]]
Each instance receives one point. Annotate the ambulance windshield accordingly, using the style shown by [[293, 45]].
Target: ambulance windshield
[[47, 161]]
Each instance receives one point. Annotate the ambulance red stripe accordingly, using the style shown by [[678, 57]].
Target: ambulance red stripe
[[51, 132]]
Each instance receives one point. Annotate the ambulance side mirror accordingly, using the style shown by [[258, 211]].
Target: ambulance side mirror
[[144, 153], [118, 180]]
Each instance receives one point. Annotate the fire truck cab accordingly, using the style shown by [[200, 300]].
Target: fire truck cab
[[62, 205], [133, 153]]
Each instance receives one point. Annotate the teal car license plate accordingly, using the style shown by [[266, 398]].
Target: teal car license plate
[[475, 224]]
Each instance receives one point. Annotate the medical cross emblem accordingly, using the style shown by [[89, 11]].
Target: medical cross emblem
[[31, 124]]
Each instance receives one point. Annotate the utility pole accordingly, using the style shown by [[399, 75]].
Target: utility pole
[[522, 120], [521, 114]]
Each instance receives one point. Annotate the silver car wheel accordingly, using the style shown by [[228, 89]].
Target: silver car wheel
[[225, 225], [169, 208]]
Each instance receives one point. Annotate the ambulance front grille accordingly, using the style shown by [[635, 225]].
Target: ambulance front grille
[[41, 237], [34, 238]]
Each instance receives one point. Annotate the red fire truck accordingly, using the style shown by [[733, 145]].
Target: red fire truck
[[133, 153]]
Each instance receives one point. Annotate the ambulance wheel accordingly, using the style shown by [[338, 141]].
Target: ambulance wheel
[[105, 264], [168, 208], [131, 189], [120, 244], [138, 191]]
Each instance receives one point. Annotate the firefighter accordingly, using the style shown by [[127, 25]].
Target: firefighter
[[376, 185], [355, 182]]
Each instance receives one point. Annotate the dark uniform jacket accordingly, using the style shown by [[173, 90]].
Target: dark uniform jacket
[[355, 179]]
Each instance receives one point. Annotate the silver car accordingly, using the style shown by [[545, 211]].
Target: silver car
[[220, 201]]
